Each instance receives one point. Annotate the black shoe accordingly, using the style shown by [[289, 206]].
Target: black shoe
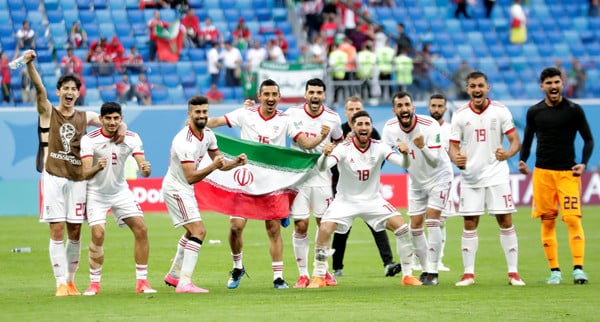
[[431, 279], [392, 269], [279, 283], [235, 277], [423, 277]]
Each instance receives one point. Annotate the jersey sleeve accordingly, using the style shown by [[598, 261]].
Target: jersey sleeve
[[336, 130], [212, 145], [137, 145], [508, 125], [87, 150], [183, 151], [387, 136], [455, 129], [434, 137], [234, 118]]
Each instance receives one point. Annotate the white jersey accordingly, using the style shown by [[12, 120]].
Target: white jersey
[[445, 129], [311, 126], [187, 148], [255, 128], [479, 135], [96, 145], [421, 174], [360, 170]]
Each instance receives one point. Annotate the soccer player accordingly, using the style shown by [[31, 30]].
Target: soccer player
[[353, 105], [189, 146], [437, 109], [430, 173], [63, 185], [267, 125], [314, 193], [103, 164], [476, 148], [555, 122], [359, 162]]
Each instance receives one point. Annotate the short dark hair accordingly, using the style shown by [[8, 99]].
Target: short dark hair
[[402, 94], [360, 113], [437, 95], [315, 82], [110, 107], [476, 74], [549, 72], [68, 78], [268, 82], [198, 100]]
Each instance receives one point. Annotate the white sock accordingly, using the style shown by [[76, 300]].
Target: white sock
[[435, 244], [320, 266], [301, 246], [510, 245], [277, 270], [73, 255], [141, 272], [469, 245], [190, 257], [237, 260], [420, 244], [404, 249], [95, 275], [175, 270], [58, 259], [443, 230]]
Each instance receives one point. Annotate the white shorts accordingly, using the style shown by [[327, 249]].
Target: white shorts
[[315, 198], [182, 206], [122, 204], [436, 197], [496, 199], [63, 200], [374, 212]]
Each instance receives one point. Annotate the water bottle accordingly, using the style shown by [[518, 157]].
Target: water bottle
[[214, 241], [21, 250], [17, 63]]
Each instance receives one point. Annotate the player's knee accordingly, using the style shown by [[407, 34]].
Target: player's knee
[[197, 239], [572, 221]]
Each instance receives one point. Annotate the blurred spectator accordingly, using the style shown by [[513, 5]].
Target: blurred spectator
[[116, 53], [146, 4], [25, 38], [255, 55], [71, 64], [577, 78], [365, 63], [27, 88], [124, 89], [101, 62], [329, 29], [345, 45], [241, 35], [5, 71], [348, 12], [381, 39], [594, 8], [461, 8], [365, 32], [563, 73], [319, 50], [403, 42], [275, 54], [311, 10], [338, 60], [489, 6], [232, 61], [192, 28], [213, 60], [82, 91], [459, 79], [143, 90], [134, 63], [518, 23], [282, 42], [305, 55], [382, 3], [214, 95], [404, 70], [77, 36], [209, 33], [385, 66], [155, 21], [180, 5], [423, 63]]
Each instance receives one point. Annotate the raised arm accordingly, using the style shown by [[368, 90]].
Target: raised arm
[[43, 104], [216, 121], [308, 143]]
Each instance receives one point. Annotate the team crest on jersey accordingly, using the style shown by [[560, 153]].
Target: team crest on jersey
[[276, 128], [243, 177], [437, 138]]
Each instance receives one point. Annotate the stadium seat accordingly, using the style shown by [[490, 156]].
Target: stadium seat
[[171, 80], [279, 14], [188, 80], [107, 30], [176, 95], [160, 96], [108, 95], [189, 92], [105, 80], [99, 4], [83, 4]]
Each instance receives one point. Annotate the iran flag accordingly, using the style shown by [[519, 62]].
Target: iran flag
[[169, 42], [263, 189]]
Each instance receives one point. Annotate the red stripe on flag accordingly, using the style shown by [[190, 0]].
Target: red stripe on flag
[[263, 207]]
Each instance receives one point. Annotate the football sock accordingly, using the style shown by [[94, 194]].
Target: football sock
[[469, 245], [435, 244], [420, 243], [576, 238], [404, 249], [510, 245], [96, 258], [58, 259], [141, 272], [548, 233], [175, 270], [301, 246], [237, 260], [190, 257], [73, 251], [443, 231], [320, 264], [277, 270]]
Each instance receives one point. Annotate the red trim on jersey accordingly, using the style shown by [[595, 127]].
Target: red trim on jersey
[[297, 135], [191, 131], [412, 126], [454, 141], [387, 156], [138, 153], [227, 121], [104, 134], [489, 101], [358, 148], [434, 147], [510, 131], [275, 113], [182, 162], [87, 156], [313, 116]]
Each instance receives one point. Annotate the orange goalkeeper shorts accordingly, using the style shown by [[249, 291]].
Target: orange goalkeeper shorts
[[554, 191]]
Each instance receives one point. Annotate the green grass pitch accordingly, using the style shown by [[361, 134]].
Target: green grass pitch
[[27, 284]]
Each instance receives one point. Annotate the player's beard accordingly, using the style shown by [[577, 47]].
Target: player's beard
[[200, 123], [404, 124], [436, 116]]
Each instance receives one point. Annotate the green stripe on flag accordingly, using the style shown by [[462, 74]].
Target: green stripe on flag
[[268, 156], [168, 33]]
